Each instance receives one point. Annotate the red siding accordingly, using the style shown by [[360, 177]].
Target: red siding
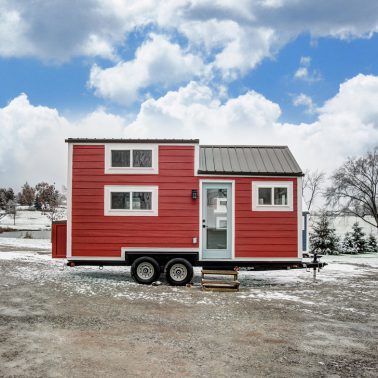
[[59, 240], [257, 234], [93, 234]]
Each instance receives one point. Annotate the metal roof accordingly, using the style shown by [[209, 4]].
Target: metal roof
[[98, 140], [248, 160]]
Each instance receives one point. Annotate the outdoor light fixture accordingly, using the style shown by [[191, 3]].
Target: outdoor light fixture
[[194, 194]]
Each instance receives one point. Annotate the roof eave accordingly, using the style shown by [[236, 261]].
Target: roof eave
[[120, 140], [270, 174]]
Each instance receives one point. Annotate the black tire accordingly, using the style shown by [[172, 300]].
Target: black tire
[[145, 270], [179, 272]]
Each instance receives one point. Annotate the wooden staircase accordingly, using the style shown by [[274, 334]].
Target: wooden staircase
[[220, 285]]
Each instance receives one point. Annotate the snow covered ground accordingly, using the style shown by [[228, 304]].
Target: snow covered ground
[[55, 319], [283, 285], [26, 220]]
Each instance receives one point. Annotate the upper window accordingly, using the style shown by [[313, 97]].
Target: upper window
[[127, 158], [131, 200], [272, 196]]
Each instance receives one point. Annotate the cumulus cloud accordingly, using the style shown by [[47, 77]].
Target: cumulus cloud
[[304, 72], [236, 35], [32, 138], [195, 111], [156, 62], [306, 101], [347, 125]]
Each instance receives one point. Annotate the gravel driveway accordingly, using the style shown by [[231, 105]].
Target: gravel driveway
[[86, 322]]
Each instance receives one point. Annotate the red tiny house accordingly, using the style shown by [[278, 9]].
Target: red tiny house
[[133, 198]]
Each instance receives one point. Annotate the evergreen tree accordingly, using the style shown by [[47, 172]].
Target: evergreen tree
[[348, 245], [323, 238], [37, 203], [6, 195], [358, 237], [372, 244]]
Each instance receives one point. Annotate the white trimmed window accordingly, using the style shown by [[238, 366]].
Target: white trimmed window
[[131, 200], [131, 158], [272, 196]]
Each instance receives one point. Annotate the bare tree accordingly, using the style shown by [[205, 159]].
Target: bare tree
[[354, 188], [12, 209], [312, 187]]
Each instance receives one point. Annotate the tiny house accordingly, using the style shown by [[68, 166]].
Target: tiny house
[[166, 205]]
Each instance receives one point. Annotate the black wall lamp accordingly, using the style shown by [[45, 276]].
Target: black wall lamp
[[194, 194]]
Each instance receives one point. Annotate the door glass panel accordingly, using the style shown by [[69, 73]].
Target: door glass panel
[[216, 219]]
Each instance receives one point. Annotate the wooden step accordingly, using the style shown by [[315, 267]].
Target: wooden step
[[214, 285], [213, 282], [221, 272], [220, 287]]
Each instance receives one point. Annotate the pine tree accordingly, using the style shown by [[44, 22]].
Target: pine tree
[[348, 245], [372, 244], [358, 237], [37, 203], [323, 238]]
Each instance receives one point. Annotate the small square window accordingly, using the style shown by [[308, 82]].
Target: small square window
[[142, 201], [265, 196], [142, 158], [120, 158], [280, 196], [272, 196], [120, 200]]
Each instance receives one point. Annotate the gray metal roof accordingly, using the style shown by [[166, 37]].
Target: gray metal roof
[[248, 160]]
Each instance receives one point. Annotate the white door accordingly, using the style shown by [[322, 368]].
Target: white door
[[216, 220]]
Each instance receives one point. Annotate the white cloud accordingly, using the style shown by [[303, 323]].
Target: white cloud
[[32, 137], [32, 146], [305, 61], [156, 62], [243, 32], [195, 111], [305, 73], [306, 101]]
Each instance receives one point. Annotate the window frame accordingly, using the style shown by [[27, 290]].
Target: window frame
[[256, 185], [108, 211], [109, 169]]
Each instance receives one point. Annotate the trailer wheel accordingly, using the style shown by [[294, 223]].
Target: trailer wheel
[[145, 270], [179, 272]]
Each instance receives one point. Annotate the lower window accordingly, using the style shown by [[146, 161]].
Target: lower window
[[131, 200]]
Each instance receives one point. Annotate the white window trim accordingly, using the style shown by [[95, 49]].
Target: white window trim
[[108, 211], [109, 147], [272, 184]]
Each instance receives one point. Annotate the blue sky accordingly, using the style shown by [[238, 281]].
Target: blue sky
[[64, 85], [255, 72]]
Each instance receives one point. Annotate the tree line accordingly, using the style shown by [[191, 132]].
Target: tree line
[[43, 197], [323, 239], [353, 190]]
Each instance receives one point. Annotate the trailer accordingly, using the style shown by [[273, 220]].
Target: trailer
[[166, 205]]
